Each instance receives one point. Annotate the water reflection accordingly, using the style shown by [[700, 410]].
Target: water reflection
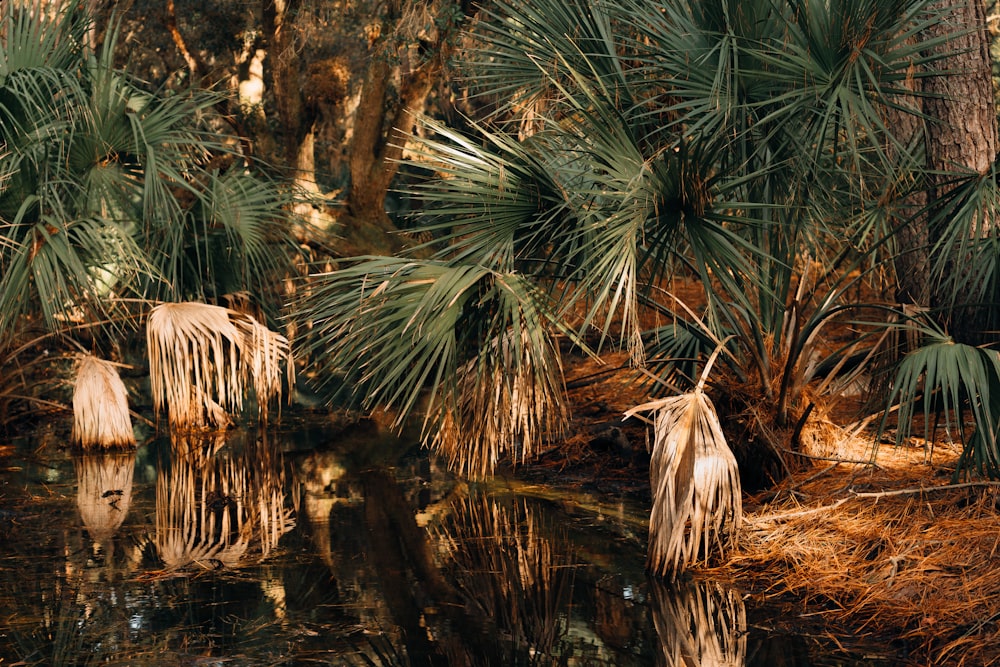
[[699, 623], [227, 551], [214, 503], [104, 493]]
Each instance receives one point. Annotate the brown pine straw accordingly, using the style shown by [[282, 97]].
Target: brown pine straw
[[890, 550]]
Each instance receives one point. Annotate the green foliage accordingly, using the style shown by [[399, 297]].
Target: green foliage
[[747, 144], [946, 377], [475, 338], [115, 194]]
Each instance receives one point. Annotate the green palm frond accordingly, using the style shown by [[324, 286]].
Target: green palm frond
[[499, 204], [479, 342], [114, 192], [964, 234], [34, 38], [525, 52], [942, 377], [68, 269]]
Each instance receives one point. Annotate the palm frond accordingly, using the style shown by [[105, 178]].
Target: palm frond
[[478, 341], [944, 377], [697, 501], [203, 359], [524, 52], [100, 406]]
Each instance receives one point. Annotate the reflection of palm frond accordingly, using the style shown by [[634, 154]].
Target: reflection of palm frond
[[509, 572], [100, 406], [700, 623], [104, 492], [203, 357], [213, 509], [697, 499]]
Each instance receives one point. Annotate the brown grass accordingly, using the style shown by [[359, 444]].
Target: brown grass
[[890, 549]]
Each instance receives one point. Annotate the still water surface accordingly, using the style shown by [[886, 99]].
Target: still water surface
[[295, 550]]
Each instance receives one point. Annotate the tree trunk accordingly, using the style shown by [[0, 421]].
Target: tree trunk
[[379, 142], [297, 118], [964, 138], [911, 259], [962, 135]]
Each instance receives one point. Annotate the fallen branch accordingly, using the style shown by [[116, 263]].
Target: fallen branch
[[923, 489], [784, 516]]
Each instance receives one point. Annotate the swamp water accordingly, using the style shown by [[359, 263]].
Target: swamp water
[[236, 551]]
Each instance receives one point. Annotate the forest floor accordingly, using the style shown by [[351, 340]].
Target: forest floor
[[872, 542]]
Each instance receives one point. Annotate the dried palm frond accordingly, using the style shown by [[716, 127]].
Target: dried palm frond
[[697, 496], [508, 402], [202, 359], [100, 406]]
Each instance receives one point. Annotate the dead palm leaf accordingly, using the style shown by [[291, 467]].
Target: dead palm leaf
[[100, 406], [697, 496], [203, 358], [508, 402]]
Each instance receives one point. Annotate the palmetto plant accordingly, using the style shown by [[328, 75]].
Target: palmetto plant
[[744, 144], [480, 339], [118, 197]]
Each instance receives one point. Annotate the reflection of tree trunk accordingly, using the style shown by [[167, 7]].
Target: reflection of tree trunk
[[402, 560]]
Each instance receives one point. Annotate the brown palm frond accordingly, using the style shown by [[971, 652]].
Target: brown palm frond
[[697, 497], [100, 406], [262, 353], [508, 402], [203, 358]]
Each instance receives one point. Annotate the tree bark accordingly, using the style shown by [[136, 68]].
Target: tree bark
[[964, 138], [962, 132], [378, 141], [911, 259]]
